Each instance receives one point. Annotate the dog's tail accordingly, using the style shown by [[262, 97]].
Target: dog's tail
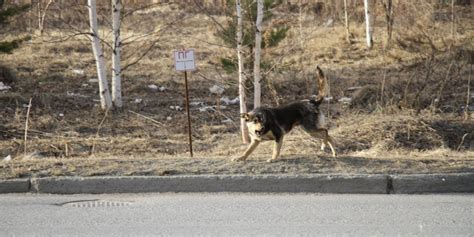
[[322, 85], [322, 82]]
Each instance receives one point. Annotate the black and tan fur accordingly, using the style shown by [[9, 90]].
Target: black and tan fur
[[267, 123]]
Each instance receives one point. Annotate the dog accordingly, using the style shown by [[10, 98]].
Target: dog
[[272, 123]]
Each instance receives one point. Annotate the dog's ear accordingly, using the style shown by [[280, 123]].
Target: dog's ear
[[245, 116]]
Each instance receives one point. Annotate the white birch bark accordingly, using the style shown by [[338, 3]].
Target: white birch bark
[[242, 97], [116, 69], [346, 21], [42, 15], [105, 100], [258, 45], [368, 25]]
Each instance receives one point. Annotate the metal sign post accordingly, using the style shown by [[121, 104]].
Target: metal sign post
[[187, 111], [184, 61]]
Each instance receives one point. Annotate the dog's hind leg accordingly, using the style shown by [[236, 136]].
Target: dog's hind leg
[[327, 140], [276, 150], [247, 152]]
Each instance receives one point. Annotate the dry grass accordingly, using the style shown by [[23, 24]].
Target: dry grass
[[149, 164], [63, 127]]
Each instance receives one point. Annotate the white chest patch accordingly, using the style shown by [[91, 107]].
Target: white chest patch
[[321, 121], [267, 136]]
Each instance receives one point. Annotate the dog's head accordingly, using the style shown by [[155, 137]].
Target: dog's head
[[256, 121]]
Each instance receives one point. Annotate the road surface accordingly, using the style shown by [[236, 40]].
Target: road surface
[[225, 214]]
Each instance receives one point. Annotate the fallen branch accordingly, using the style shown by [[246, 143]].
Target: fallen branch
[[26, 126], [462, 142], [225, 116], [148, 118]]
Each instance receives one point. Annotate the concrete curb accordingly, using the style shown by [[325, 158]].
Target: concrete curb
[[311, 183], [435, 183], [215, 183], [15, 186]]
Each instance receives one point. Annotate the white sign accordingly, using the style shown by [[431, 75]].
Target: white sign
[[184, 60]]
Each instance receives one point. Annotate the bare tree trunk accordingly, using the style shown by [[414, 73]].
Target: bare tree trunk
[[346, 21], [368, 28], [116, 69], [309, 88], [105, 100], [452, 21], [42, 15], [258, 46], [38, 12], [388, 7], [466, 110], [242, 79]]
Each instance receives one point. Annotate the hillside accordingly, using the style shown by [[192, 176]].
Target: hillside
[[395, 108]]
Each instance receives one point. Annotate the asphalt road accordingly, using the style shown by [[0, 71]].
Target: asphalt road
[[225, 214]]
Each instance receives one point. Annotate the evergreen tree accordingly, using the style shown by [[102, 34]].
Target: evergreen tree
[[5, 14], [272, 33]]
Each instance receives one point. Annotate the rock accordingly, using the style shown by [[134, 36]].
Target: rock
[[177, 108], [211, 108], [78, 71], [205, 108], [72, 94], [345, 100], [228, 101], [227, 121], [4, 87], [7, 158], [196, 103], [216, 89], [153, 87], [138, 101], [329, 23], [328, 98]]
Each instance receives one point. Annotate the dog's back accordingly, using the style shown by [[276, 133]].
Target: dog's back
[[305, 113]]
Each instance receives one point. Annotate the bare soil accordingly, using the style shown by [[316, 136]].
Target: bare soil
[[69, 135]]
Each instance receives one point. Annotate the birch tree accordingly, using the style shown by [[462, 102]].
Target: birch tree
[[42, 14], [368, 25], [388, 7], [242, 79], [258, 49], [346, 21], [117, 47], [452, 21], [104, 93]]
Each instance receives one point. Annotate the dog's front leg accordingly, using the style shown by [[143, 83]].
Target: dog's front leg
[[276, 149], [249, 150]]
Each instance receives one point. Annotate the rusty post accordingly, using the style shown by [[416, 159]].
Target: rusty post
[[187, 111]]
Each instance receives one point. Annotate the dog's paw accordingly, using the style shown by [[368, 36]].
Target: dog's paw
[[271, 160]]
